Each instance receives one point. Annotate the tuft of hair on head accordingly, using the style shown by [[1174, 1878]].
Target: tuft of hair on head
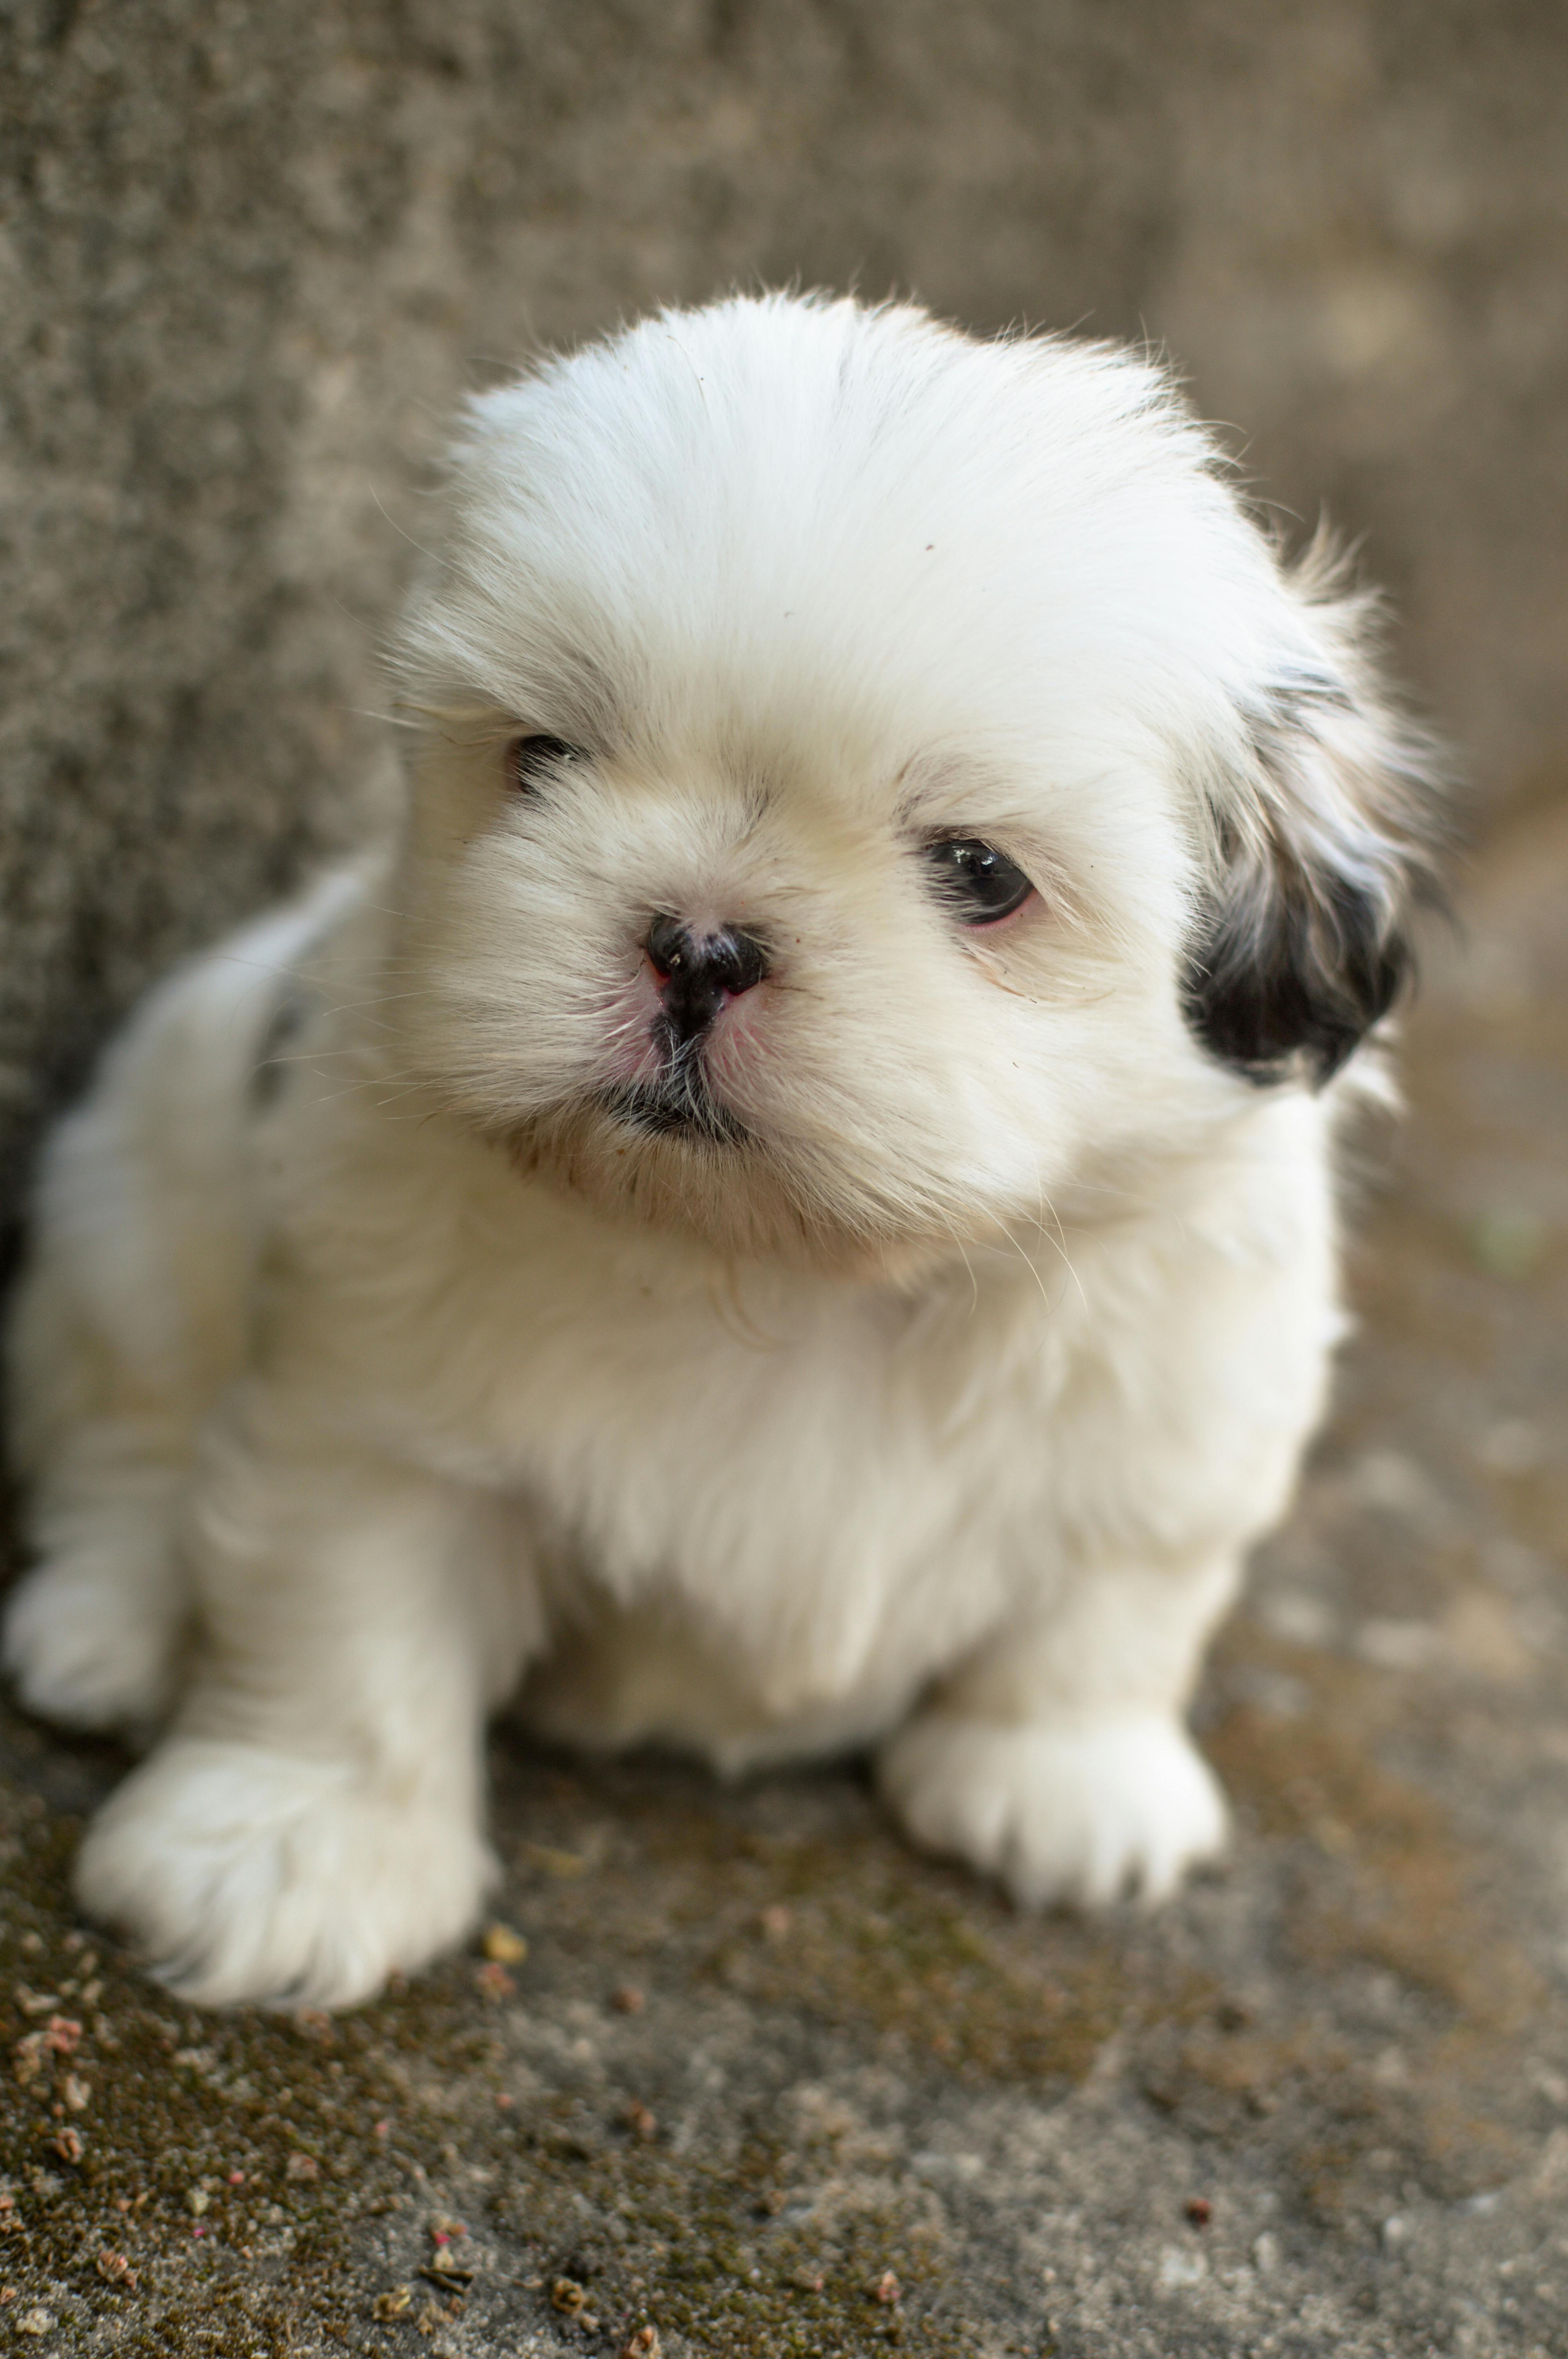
[[1325, 838]]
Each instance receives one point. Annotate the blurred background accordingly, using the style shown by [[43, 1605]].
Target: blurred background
[[252, 255], [251, 252]]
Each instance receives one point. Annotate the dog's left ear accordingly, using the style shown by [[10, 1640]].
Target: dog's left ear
[[1322, 841]]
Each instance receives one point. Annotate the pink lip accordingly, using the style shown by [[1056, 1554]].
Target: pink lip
[[735, 1039], [631, 1051]]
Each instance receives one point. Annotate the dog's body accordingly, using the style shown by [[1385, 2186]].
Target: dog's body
[[667, 1233]]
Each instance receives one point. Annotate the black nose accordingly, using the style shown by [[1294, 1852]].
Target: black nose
[[699, 972]]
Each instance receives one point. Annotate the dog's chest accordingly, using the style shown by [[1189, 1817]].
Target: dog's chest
[[824, 1483]]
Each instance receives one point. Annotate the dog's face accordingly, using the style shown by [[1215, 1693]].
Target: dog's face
[[876, 785]]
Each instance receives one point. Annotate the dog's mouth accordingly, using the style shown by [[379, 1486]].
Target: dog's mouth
[[679, 1104]]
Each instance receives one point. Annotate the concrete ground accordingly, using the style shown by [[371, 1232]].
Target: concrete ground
[[764, 2082]]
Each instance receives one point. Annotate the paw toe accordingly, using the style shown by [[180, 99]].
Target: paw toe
[[1088, 1813], [245, 1874], [85, 1647]]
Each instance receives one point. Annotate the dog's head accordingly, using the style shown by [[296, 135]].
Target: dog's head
[[875, 782]]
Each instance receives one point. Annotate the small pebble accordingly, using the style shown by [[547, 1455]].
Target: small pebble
[[776, 1920], [67, 2146], [641, 2121], [116, 2269], [1200, 2211], [493, 1982], [884, 2288], [77, 2093], [502, 1946], [28, 2056], [553, 1862], [643, 2345], [36, 2321], [197, 2201], [627, 2000], [302, 2167]]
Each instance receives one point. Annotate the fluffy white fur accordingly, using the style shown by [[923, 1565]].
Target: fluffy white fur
[[373, 1361]]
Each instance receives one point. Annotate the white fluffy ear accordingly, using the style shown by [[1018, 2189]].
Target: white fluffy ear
[[1325, 841]]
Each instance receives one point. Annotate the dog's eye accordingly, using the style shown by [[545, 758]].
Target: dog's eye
[[530, 759], [979, 883]]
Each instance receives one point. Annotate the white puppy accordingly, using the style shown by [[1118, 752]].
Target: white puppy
[[792, 1208]]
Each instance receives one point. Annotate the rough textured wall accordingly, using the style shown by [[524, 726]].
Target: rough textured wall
[[252, 254]]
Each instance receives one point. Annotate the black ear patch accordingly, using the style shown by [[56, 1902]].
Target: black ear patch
[[1291, 969], [1326, 842]]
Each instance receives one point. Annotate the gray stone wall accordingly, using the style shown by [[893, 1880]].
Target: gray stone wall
[[251, 254]]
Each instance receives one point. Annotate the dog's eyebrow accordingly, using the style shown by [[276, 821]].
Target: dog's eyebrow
[[921, 775], [945, 785], [565, 691]]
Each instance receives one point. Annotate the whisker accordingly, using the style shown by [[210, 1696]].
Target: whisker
[[1028, 1265], [968, 1265]]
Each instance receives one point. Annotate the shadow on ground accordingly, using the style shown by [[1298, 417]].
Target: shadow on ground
[[765, 2082]]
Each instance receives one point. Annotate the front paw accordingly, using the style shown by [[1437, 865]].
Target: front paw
[[1083, 1811], [249, 1874], [93, 1642]]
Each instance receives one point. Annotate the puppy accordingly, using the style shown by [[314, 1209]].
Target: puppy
[[792, 1209]]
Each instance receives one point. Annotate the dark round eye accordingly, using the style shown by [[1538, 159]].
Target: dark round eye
[[979, 883], [531, 759]]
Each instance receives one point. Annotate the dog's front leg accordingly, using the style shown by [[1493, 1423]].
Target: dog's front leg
[[1056, 1758], [313, 1821]]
